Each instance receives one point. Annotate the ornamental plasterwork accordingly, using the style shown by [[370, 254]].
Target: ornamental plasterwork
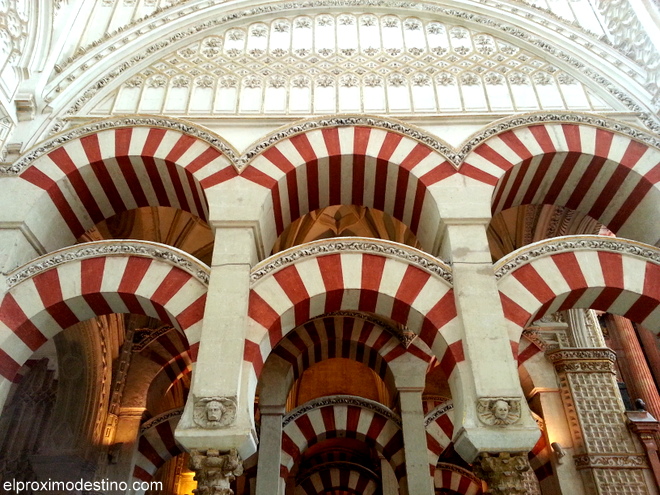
[[487, 21], [13, 31], [341, 400], [575, 243], [610, 461], [352, 244], [340, 63], [173, 256]]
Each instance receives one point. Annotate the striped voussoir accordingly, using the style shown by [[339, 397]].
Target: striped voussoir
[[454, 479], [330, 337], [338, 482], [439, 430], [613, 275], [352, 165], [171, 352], [394, 288], [56, 297], [322, 422], [94, 177], [527, 352], [157, 445], [607, 175]]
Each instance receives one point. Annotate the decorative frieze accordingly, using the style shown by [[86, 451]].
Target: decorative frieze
[[437, 412], [97, 249], [352, 244], [610, 461]]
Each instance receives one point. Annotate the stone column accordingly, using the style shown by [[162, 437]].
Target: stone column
[[409, 378], [218, 412], [269, 481], [609, 459], [646, 427], [635, 369], [649, 343], [492, 378]]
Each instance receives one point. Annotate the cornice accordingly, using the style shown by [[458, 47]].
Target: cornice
[[341, 400], [352, 244], [207, 18], [115, 123], [144, 249], [540, 249]]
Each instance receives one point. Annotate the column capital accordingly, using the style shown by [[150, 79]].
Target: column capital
[[214, 471], [503, 472]]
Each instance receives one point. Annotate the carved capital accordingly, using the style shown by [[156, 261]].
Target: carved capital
[[498, 411], [215, 412], [215, 471], [503, 472]]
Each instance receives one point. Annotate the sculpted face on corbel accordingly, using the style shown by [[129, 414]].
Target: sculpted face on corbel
[[214, 412], [498, 411]]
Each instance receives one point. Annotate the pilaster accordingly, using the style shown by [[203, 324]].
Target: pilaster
[[608, 457], [269, 481]]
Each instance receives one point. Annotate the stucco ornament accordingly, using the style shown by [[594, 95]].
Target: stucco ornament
[[215, 471], [498, 411], [214, 412]]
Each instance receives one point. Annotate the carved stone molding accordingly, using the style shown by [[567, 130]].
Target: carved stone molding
[[115, 123], [214, 471], [97, 249], [437, 412], [161, 418], [498, 411], [597, 360], [504, 472], [341, 400], [353, 244], [587, 461], [215, 412], [575, 243]]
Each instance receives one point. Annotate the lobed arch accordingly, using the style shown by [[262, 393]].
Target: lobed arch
[[596, 272], [603, 169], [156, 444], [88, 280], [338, 417], [92, 172], [364, 161], [403, 285]]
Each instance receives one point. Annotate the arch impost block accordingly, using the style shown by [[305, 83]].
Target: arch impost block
[[540, 249], [471, 441], [341, 400], [357, 245], [100, 249]]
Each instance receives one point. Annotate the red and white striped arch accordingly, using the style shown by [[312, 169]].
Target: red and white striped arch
[[338, 481], [370, 282], [347, 337], [568, 273], [606, 175], [351, 165], [171, 352], [53, 299], [94, 177], [439, 431], [156, 445], [342, 421], [456, 479]]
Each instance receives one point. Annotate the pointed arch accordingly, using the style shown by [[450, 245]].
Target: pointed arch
[[88, 280], [93, 172], [600, 171]]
